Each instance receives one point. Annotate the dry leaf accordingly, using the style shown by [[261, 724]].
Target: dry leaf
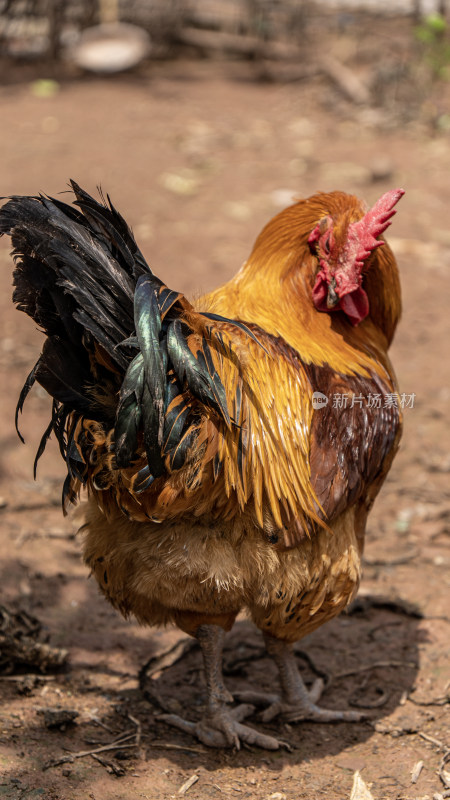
[[360, 790]]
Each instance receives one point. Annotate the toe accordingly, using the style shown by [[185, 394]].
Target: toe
[[241, 712], [177, 722], [253, 737], [256, 698], [316, 690], [223, 728], [273, 711], [317, 714], [212, 737]]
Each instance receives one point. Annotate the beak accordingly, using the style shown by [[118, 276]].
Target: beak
[[332, 297]]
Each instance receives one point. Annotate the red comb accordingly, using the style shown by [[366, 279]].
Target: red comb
[[362, 236]]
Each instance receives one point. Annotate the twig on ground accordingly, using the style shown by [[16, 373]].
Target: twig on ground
[[84, 753], [113, 769], [395, 604], [118, 744], [159, 663], [375, 665], [433, 740], [392, 562], [443, 700], [384, 729], [415, 772], [187, 785], [443, 773], [151, 692], [166, 659], [314, 668], [438, 701], [101, 724], [365, 703], [138, 728], [170, 746], [383, 626], [232, 665]]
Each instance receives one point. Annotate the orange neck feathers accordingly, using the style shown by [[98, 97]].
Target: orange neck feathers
[[274, 288]]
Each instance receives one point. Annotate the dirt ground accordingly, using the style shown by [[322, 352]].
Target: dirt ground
[[198, 156]]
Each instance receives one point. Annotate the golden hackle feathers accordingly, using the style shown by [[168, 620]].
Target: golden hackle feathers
[[283, 266]]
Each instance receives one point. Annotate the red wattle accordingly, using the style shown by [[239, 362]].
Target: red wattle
[[355, 305], [320, 293]]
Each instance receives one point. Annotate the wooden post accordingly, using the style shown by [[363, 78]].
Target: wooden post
[[55, 18]]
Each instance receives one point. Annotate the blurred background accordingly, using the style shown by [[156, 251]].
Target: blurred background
[[202, 119]]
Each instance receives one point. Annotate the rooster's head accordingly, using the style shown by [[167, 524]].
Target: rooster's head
[[344, 255]]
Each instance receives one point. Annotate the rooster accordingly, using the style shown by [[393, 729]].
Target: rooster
[[230, 449]]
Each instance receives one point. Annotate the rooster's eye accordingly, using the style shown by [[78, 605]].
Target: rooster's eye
[[326, 246]]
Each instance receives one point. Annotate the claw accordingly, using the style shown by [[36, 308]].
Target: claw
[[224, 729]]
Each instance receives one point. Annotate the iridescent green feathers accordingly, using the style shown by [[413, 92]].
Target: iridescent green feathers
[[111, 323]]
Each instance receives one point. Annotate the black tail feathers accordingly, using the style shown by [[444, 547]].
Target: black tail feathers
[[113, 330], [75, 275]]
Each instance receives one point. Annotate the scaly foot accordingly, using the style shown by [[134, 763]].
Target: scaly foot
[[221, 727], [295, 703], [297, 708]]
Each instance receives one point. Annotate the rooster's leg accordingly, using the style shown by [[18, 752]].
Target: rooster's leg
[[295, 703], [220, 726]]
